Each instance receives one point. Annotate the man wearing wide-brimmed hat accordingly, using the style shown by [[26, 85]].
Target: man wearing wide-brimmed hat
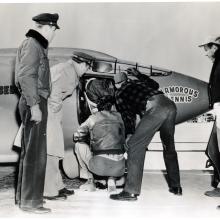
[[211, 47]]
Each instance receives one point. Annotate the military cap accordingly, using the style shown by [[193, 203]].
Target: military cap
[[80, 57], [47, 19]]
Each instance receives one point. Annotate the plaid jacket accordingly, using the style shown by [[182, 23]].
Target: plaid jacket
[[131, 99]]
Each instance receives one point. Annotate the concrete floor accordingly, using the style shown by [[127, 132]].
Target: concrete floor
[[155, 201]]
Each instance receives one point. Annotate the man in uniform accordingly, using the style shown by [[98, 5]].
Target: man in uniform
[[65, 78], [32, 76]]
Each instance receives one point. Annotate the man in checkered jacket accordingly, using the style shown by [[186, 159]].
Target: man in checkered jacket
[[158, 113]]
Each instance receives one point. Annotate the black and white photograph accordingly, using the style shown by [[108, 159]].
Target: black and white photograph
[[110, 110]]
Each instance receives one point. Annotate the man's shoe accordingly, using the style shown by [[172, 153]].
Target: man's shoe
[[213, 193], [218, 207], [101, 184], [66, 192], [40, 210], [89, 185], [58, 197], [124, 196], [18, 202], [176, 190]]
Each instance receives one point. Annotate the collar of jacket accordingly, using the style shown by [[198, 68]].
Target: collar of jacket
[[36, 35], [217, 54]]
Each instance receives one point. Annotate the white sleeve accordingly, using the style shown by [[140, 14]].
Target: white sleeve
[[55, 99]]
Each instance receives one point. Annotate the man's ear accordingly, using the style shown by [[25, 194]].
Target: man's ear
[[214, 47]]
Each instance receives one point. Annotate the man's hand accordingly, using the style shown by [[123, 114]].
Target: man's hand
[[36, 114], [126, 142], [76, 137], [128, 137], [133, 71]]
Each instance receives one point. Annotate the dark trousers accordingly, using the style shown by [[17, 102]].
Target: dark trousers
[[213, 153], [32, 164], [160, 116]]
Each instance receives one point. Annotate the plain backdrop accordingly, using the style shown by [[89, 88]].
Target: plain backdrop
[[161, 34]]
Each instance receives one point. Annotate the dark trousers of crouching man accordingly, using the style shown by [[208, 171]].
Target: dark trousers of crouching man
[[160, 116], [32, 164]]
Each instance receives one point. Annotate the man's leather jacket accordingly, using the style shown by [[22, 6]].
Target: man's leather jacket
[[107, 132], [32, 72]]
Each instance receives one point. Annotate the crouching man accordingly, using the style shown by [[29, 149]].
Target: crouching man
[[104, 156]]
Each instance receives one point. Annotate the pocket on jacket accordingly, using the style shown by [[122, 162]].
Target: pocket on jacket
[[44, 72], [44, 64]]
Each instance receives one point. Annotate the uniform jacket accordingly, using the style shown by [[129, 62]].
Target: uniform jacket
[[214, 81], [107, 133], [32, 73], [64, 80]]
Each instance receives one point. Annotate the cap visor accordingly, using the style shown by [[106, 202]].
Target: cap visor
[[202, 45]]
